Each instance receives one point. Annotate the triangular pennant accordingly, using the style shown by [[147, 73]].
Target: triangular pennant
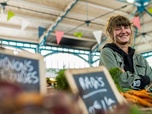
[[41, 31], [150, 10], [25, 23], [59, 35], [10, 14], [136, 22], [78, 34], [97, 35]]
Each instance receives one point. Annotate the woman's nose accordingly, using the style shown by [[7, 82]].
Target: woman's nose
[[123, 30]]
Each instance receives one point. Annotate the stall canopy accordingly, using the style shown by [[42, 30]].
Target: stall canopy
[[76, 24]]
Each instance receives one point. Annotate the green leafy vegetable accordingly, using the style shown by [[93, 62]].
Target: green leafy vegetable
[[115, 74], [61, 81], [135, 110]]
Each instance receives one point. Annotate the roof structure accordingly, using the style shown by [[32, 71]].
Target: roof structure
[[73, 17]]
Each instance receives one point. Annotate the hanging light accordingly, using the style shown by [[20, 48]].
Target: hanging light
[[87, 21], [130, 1], [146, 3], [2, 5]]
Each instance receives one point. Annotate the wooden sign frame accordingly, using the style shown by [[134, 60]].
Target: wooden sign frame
[[70, 73], [30, 56]]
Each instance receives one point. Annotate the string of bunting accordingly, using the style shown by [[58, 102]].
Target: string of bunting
[[59, 34]]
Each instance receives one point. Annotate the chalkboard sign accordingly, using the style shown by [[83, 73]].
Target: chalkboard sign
[[24, 68], [96, 89]]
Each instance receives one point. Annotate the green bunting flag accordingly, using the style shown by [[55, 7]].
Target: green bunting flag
[[10, 15], [78, 34], [150, 10]]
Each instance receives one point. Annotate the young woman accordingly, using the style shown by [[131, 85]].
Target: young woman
[[137, 74]]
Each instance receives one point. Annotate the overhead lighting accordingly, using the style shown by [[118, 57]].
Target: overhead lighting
[[130, 1], [146, 3], [137, 4]]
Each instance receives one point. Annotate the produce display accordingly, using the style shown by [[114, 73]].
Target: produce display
[[141, 98], [16, 101]]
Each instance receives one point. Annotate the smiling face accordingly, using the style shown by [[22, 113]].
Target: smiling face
[[119, 30], [122, 35]]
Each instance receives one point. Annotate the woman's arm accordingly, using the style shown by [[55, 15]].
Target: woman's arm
[[127, 79], [108, 59]]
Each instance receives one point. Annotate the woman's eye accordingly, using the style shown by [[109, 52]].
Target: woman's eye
[[117, 29], [126, 27]]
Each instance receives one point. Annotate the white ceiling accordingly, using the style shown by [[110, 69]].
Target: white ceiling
[[69, 16]]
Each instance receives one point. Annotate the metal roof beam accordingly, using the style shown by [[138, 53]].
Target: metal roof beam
[[18, 39], [102, 7], [58, 20]]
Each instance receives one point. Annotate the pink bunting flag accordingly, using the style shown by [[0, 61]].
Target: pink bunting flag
[[136, 22], [59, 35]]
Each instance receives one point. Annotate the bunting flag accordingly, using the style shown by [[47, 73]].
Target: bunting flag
[[25, 23], [150, 10], [59, 35], [10, 14], [136, 22], [97, 35], [41, 31], [78, 34]]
